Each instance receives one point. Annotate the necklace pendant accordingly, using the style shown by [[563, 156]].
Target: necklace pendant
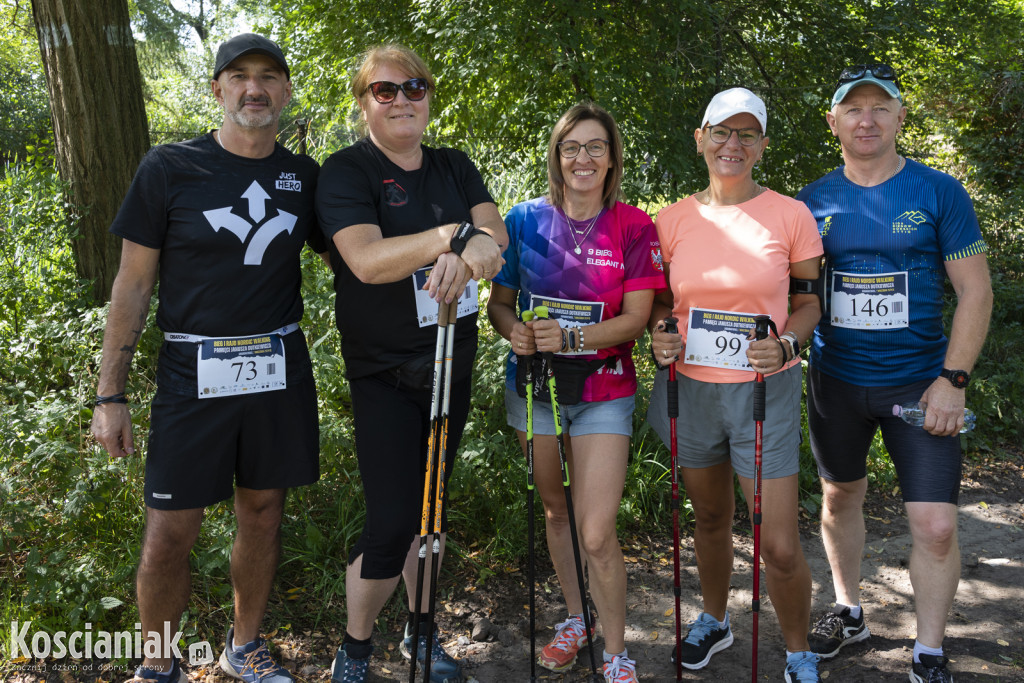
[[578, 250]]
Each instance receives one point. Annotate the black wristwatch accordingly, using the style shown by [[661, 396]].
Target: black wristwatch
[[958, 378], [462, 235]]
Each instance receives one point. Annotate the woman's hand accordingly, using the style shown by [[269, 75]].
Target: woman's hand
[[522, 339], [483, 257], [448, 278], [547, 335], [665, 346], [765, 355]]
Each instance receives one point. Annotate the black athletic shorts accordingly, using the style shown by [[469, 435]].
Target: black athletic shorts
[[392, 423], [843, 418], [200, 449]]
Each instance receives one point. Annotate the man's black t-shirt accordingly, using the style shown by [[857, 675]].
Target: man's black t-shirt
[[359, 185], [229, 230]]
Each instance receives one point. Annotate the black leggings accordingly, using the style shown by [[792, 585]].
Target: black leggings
[[392, 425]]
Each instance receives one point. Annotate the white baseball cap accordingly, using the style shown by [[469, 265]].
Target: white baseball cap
[[735, 101]]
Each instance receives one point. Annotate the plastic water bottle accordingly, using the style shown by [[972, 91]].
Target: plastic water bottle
[[913, 413]]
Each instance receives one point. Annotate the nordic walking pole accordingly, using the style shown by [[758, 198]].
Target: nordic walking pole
[[428, 479], [761, 323], [527, 317], [451, 316], [542, 312], [673, 414]]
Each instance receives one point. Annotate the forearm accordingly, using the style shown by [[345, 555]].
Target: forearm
[[503, 318], [378, 260], [129, 306], [805, 315], [970, 325], [625, 327], [661, 309]]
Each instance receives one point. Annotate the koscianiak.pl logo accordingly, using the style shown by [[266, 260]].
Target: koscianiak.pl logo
[[89, 644]]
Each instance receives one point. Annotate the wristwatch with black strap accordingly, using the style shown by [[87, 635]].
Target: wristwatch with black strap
[[958, 378]]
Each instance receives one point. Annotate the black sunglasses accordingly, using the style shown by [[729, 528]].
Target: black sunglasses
[[385, 92], [882, 72]]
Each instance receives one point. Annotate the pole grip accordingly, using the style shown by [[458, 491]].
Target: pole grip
[[759, 392], [671, 326]]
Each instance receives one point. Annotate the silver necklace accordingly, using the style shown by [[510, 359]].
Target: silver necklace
[[573, 230]]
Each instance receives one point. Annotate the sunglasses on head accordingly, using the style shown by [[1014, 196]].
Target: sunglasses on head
[[882, 72], [385, 92]]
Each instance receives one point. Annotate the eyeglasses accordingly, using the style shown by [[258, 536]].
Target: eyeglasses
[[570, 149], [720, 135], [882, 72], [385, 92]]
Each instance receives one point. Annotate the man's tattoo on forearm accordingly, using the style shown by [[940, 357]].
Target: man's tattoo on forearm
[[129, 349]]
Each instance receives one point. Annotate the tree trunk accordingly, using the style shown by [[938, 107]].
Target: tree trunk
[[99, 119]]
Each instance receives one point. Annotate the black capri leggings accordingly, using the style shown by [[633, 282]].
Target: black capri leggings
[[392, 424]]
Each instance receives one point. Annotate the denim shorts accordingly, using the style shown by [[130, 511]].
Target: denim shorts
[[596, 417]]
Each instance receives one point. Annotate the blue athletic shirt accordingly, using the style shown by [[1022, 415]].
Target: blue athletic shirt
[[913, 222]]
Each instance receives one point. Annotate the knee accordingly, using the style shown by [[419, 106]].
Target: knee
[[783, 557], [717, 518], [165, 545], [556, 515], [260, 516], [599, 544], [839, 499], [937, 535]]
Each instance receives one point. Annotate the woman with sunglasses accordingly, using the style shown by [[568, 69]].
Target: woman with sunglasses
[[410, 226], [730, 251], [594, 262]]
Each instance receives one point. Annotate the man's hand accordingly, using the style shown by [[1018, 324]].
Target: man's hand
[[945, 413], [112, 427]]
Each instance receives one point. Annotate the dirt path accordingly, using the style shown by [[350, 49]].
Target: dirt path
[[985, 637]]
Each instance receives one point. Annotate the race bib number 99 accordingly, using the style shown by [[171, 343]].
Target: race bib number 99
[[870, 301], [718, 339], [229, 366]]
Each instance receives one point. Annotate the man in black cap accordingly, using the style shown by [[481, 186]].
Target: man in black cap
[[223, 219]]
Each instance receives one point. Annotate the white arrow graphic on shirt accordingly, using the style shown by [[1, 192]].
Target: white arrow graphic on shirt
[[257, 201], [282, 222], [223, 218]]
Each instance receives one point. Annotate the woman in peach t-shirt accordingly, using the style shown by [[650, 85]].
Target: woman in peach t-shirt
[[729, 253]]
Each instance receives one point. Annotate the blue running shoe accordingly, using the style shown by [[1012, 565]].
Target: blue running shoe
[[443, 667], [705, 639], [252, 662], [802, 667], [348, 669]]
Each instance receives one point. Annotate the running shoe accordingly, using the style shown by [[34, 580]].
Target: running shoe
[[443, 667], [252, 662], [570, 636], [931, 669], [144, 675], [620, 670], [802, 667], [835, 629], [705, 639], [347, 669]]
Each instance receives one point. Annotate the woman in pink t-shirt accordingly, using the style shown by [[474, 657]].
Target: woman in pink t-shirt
[[729, 253]]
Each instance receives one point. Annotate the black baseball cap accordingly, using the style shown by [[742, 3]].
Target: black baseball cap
[[247, 44]]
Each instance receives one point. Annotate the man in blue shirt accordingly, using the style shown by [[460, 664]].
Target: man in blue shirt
[[893, 231]]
